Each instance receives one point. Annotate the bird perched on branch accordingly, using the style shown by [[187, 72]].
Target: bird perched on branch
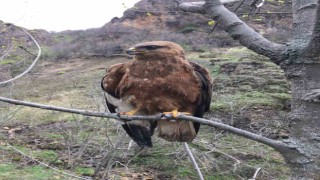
[[159, 79]]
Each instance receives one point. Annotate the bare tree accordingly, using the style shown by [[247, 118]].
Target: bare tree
[[300, 61]]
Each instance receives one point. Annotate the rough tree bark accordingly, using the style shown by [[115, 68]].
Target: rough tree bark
[[300, 61]]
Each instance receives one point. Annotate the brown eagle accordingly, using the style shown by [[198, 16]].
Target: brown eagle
[[158, 79]]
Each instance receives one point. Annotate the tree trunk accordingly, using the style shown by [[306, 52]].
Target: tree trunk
[[305, 120], [300, 61]]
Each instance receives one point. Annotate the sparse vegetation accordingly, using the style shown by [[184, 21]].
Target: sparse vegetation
[[250, 92], [12, 172], [188, 28], [7, 61], [244, 79], [69, 141]]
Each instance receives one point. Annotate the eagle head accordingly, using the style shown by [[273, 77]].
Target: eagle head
[[156, 50]]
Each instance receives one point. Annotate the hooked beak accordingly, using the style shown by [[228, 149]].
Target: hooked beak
[[132, 51]]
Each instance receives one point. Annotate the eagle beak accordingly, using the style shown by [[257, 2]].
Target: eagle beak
[[132, 51]]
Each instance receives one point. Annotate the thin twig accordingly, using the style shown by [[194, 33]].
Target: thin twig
[[255, 4], [9, 116], [26, 50], [215, 150], [5, 54], [264, 13], [32, 64], [239, 6], [229, 156], [44, 164], [233, 12], [106, 160], [194, 162], [136, 155], [256, 174]]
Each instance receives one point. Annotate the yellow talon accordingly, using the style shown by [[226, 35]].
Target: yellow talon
[[175, 113], [130, 113]]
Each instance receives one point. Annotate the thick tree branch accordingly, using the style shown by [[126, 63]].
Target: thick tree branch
[[193, 7], [197, 7], [282, 147], [242, 32], [32, 64]]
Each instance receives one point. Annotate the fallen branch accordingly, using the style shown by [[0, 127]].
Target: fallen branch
[[194, 162], [256, 174], [281, 147]]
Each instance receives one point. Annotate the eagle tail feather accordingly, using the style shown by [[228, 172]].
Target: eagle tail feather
[[140, 134]]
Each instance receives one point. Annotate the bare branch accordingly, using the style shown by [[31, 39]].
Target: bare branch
[[56, 108], [242, 32], [259, 13], [26, 50], [241, 3], [216, 24], [194, 162], [256, 5], [256, 174], [5, 54], [194, 7], [198, 7], [32, 64], [281, 147]]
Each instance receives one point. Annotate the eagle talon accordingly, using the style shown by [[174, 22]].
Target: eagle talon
[[130, 113], [175, 113]]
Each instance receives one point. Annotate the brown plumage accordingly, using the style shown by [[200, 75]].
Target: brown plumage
[[158, 79]]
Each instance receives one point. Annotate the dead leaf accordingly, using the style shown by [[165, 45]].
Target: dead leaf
[[12, 132]]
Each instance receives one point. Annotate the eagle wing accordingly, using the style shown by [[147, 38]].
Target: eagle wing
[[206, 89], [139, 130], [205, 96]]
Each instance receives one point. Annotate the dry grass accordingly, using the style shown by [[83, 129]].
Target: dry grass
[[78, 144]]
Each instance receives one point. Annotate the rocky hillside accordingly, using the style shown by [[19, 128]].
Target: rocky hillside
[[17, 50], [153, 20], [161, 20], [147, 20]]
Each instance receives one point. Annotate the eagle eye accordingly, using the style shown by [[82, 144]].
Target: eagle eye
[[152, 47]]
